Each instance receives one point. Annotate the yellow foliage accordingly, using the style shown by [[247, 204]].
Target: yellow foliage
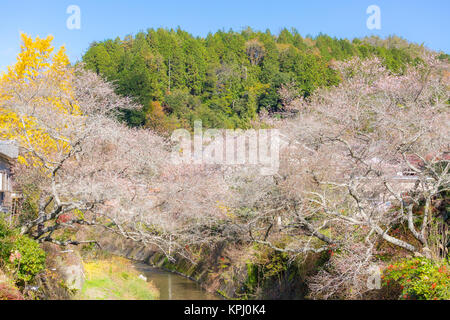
[[42, 80], [225, 210]]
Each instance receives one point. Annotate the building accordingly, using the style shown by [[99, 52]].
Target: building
[[8, 155]]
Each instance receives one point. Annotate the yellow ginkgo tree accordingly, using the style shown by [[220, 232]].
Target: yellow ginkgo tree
[[38, 84]]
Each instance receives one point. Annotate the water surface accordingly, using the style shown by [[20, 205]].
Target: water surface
[[173, 286]]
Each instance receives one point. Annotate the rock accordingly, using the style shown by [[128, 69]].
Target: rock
[[427, 253], [73, 276], [67, 264]]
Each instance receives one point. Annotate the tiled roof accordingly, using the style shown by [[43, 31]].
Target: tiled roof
[[9, 149]]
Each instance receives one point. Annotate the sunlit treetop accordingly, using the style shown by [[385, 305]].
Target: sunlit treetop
[[39, 84]]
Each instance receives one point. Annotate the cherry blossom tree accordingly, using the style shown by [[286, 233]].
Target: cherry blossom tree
[[362, 158]]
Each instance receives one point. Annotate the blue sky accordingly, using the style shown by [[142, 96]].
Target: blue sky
[[419, 21]]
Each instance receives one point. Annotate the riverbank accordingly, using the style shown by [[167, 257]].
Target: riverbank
[[115, 278], [234, 272]]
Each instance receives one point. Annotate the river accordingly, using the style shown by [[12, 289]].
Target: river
[[173, 286]]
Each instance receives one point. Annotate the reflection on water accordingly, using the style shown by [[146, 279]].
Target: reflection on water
[[173, 286]]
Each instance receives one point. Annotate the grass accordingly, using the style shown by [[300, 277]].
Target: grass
[[115, 279]]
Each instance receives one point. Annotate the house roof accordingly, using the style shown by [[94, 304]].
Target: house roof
[[9, 150], [418, 162]]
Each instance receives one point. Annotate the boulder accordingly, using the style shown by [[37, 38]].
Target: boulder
[[67, 263]]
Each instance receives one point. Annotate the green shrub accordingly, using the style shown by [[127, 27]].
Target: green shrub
[[21, 255], [6, 244], [5, 231], [419, 279], [32, 258]]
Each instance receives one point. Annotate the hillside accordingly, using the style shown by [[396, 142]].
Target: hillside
[[227, 78]]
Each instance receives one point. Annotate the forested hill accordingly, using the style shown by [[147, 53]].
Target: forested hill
[[226, 78]]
